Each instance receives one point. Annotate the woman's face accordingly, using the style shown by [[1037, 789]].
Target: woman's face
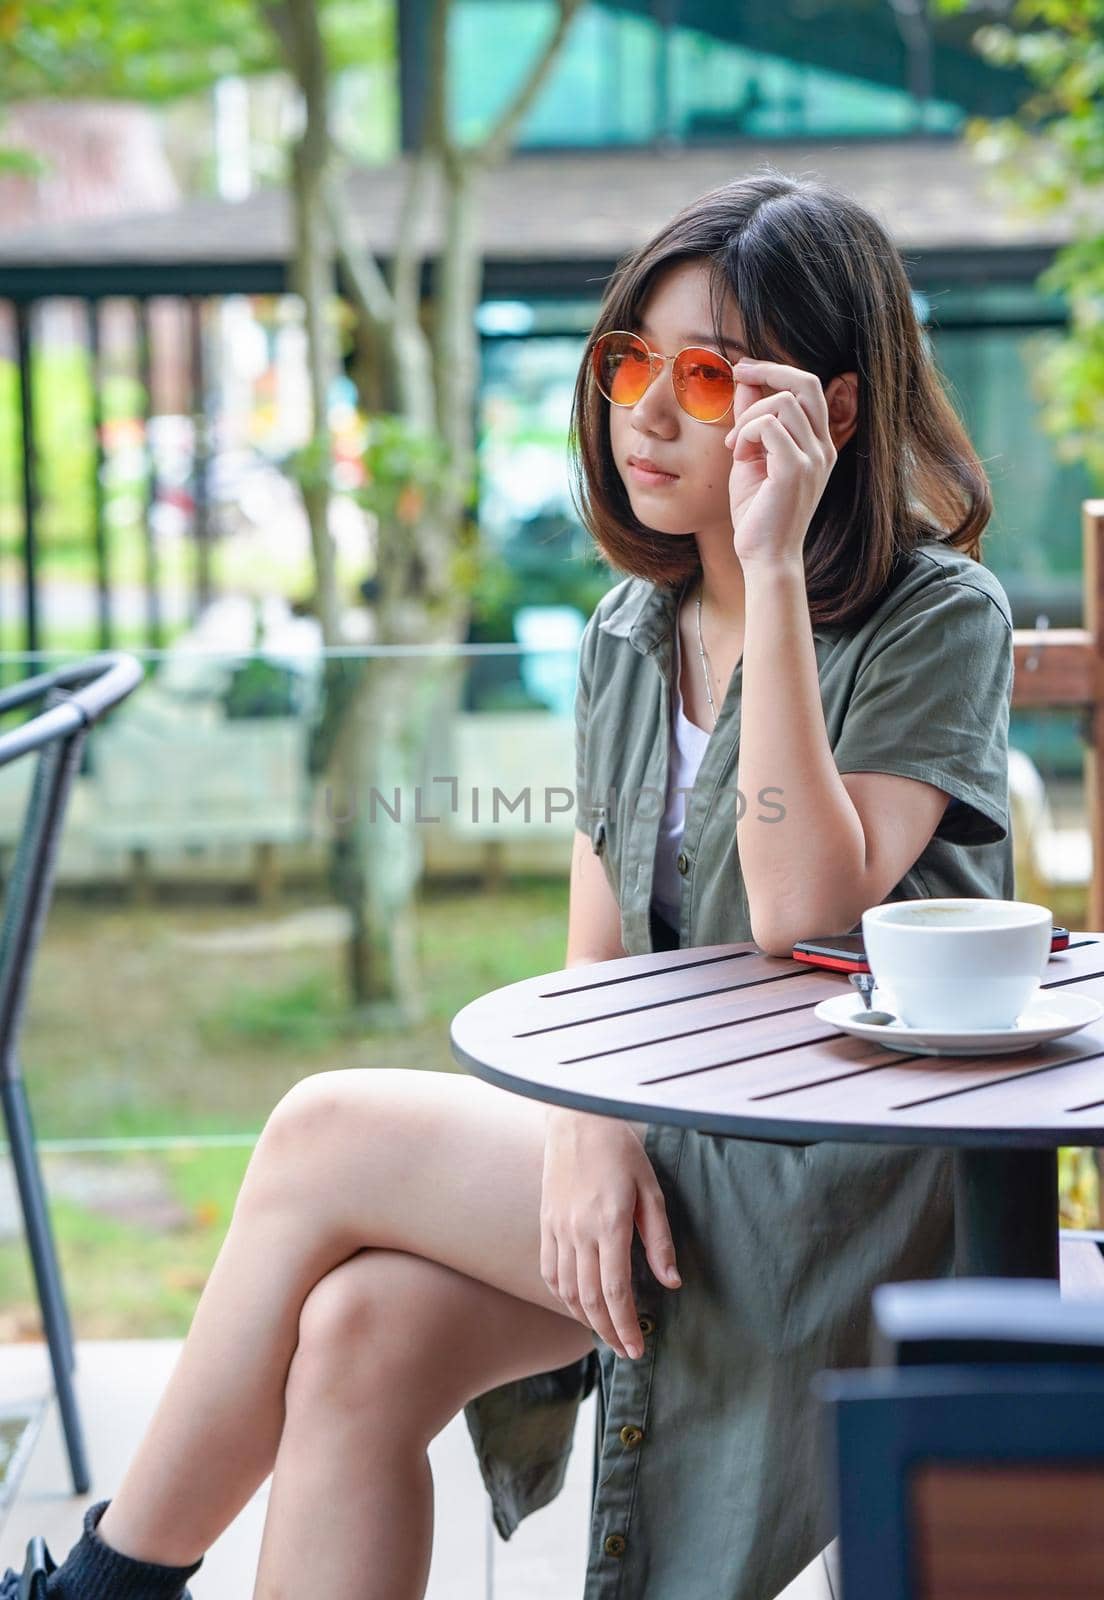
[[657, 429]]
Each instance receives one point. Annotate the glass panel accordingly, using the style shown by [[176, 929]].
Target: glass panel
[[537, 548], [723, 90], [603, 88], [623, 79], [1034, 540], [194, 961]]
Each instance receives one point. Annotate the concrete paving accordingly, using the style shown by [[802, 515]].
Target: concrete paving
[[119, 1382]]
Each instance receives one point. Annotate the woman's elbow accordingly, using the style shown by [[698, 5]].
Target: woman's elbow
[[779, 941], [772, 941]]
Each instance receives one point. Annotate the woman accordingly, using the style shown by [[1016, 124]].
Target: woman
[[809, 649]]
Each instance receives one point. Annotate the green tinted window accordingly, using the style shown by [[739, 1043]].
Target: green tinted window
[[622, 79]]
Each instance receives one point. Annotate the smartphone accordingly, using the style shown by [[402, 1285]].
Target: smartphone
[[845, 952]]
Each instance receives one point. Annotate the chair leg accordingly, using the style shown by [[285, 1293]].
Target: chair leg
[[51, 1296], [19, 1115]]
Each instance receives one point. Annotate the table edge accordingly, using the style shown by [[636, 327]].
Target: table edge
[[788, 1130]]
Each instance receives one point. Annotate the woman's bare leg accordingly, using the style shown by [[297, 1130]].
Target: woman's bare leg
[[435, 1164], [391, 1346]]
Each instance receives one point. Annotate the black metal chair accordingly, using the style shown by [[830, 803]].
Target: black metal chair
[[976, 1464], [73, 699]]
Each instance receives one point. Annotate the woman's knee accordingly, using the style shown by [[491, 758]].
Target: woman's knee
[[316, 1104], [304, 1129], [361, 1333]]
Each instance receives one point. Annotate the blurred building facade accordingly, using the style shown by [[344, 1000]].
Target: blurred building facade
[[650, 103]]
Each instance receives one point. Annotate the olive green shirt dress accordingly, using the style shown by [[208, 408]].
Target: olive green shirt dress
[[711, 1480]]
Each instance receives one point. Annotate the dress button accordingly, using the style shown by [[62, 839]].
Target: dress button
[[646, 1325], [631, 1436], [615, 1544], [683, 863]]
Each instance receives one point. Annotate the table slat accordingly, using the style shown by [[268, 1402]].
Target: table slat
[[724, 1031]]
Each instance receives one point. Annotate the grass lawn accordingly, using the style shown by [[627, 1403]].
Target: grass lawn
[[129, 1279], [134, 1029]]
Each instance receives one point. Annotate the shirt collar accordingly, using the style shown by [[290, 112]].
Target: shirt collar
[[646, 613]]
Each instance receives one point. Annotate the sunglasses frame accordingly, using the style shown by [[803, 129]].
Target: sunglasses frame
[[653, 357]]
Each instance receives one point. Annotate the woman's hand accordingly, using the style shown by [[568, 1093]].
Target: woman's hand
[[782, 458], [597, 1182]]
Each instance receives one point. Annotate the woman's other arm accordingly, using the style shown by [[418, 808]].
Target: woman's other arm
[[593, 916]]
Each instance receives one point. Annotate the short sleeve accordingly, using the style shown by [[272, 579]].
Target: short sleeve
[[931, 701], [582, 711]]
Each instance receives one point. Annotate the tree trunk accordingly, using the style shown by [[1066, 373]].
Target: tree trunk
[[295, 24], [382, 804], [388, 705], [314, 280]]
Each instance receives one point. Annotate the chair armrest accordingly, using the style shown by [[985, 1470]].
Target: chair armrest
[[968, 1320]]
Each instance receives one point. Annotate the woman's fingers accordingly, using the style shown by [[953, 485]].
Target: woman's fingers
[[587, 1242], [771, 433], [567, 1282], [789, 410], [549, 1253], [655, 1231], [614, 1256], [778, 376], [592, 1296]]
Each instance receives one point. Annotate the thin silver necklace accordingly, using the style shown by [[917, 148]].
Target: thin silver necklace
[[705, 669]]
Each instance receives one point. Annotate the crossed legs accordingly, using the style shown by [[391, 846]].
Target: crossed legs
[[382, 1267]]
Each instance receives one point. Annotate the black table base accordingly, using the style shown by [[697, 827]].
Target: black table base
[[1006, 1213]]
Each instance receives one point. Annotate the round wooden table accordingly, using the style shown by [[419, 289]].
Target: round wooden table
[[722, 1039]]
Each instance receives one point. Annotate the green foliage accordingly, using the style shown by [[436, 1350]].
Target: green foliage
[[499, 585], [404, 467], [151, 50], [310, 466], [158, 50], [129, 1278], [310, 1012], [1079, 1188], [262, 688], [20, 162], [62, 396], [1051, 158]]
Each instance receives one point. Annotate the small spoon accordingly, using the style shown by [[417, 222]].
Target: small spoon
[[864, 982]]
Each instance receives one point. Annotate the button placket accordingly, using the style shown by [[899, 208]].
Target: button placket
[[629, 1392]]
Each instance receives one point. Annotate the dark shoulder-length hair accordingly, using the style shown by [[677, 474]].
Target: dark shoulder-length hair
[[818, 282]]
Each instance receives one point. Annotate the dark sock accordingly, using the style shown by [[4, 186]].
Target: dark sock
[[94, 1571]]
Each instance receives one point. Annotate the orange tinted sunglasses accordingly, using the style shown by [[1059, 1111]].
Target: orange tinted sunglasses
[[624, 365]]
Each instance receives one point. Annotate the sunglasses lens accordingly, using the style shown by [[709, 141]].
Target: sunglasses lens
[[621, 367], [703, 384]]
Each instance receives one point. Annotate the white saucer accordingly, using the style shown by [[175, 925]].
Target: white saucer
[[1049, 1014]]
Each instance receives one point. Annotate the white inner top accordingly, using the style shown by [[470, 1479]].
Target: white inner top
[[688, 743]]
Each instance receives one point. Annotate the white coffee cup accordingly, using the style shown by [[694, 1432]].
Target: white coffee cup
[[957, 963]]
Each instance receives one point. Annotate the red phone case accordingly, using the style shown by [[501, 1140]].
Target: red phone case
[[849, 963]]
